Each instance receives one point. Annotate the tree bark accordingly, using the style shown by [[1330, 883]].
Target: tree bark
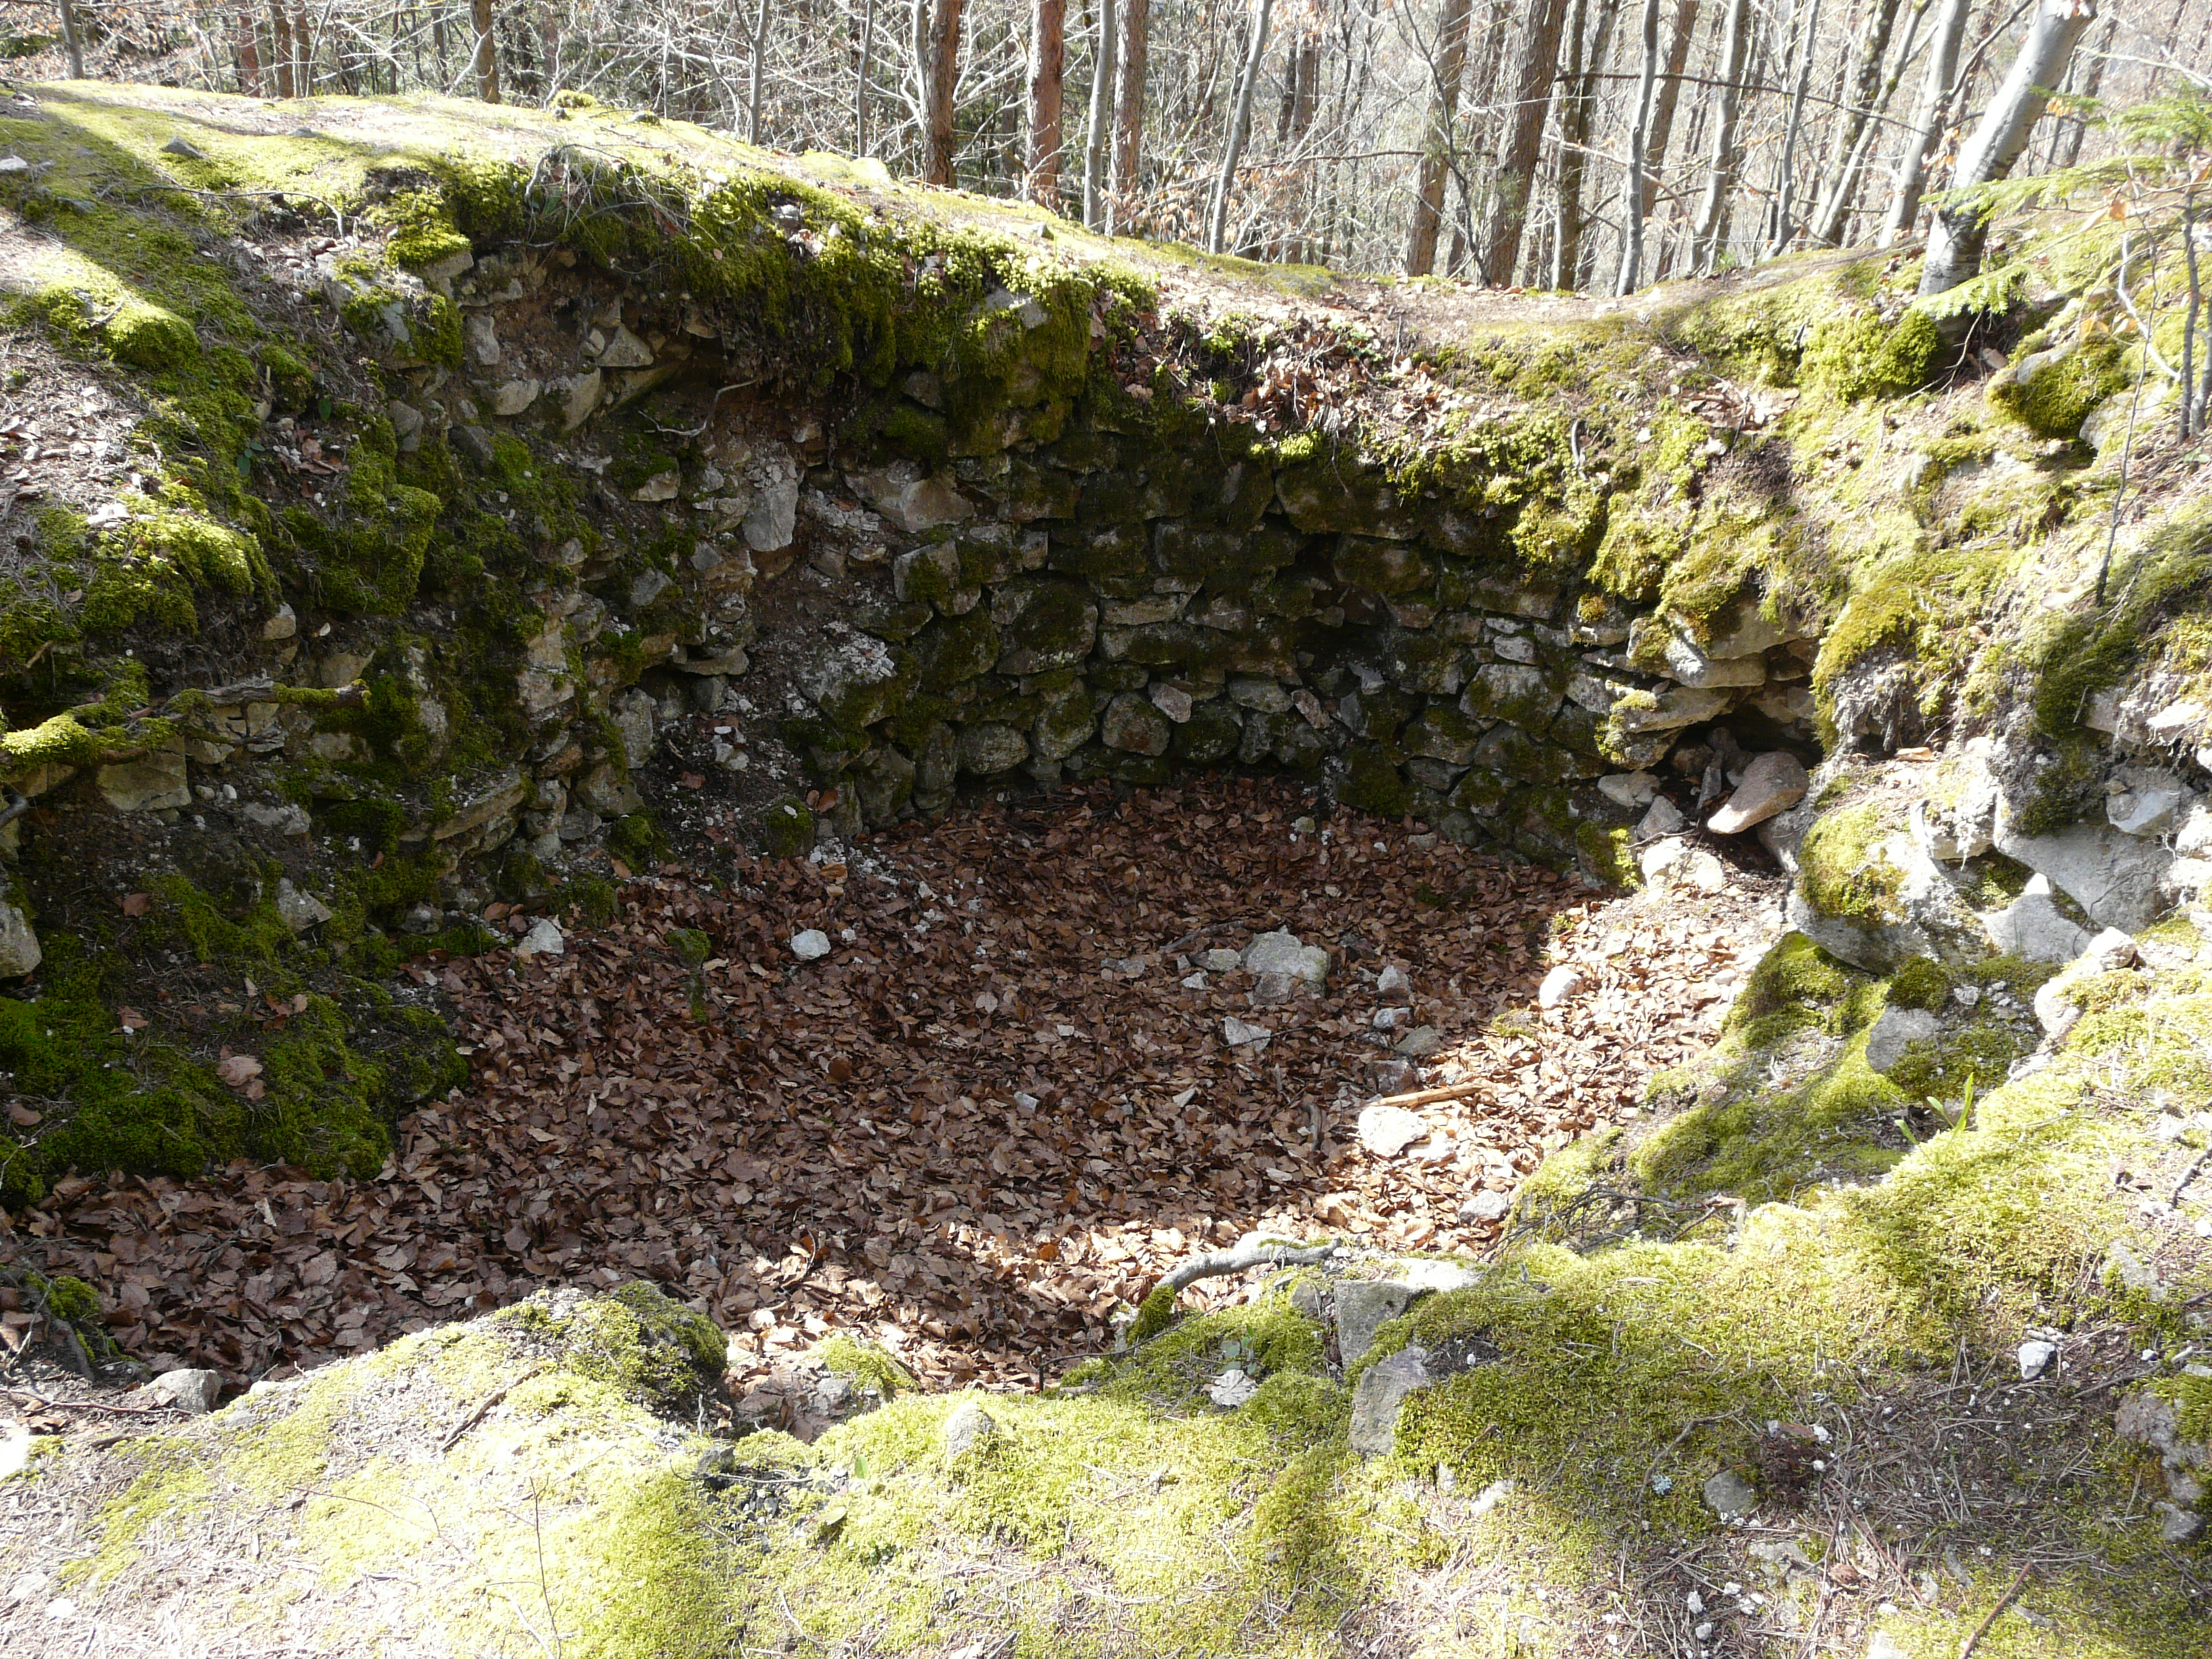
[[2070, 147], [487, 64], [1836, 207], [1047, 61], [1639, 149], [1096, 156], [303, 54], [1927, 121], [1784, 169], [1956, 237], [1705, 235], [73, 41], [937, 52], [1451, 63], [249, 57], [1517, 152], [280, 48], [1670, 92], [1129, 114], [1857, 97], [1240, 124], [754, 54], [860, 81], [1585, 58]]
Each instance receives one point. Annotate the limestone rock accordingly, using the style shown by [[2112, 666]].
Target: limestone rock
[[1893, 1032], [1283, 953], [1485, 1206], [281, 624], [1382, 1397], [286, 819], [625, 350], [1134, 727], [544, 939], [968, 1427], [483, 334], [773, 520], [660, 486], [2112, 876], [1241, 1034], [580, 395], [512, 397], [912, 499], [1392, 985], [1772, 783], [2056, 1011], [1688, 664], [1171, 700], [300, 910], [989, 749], [1629, 789], [1668, 710], [148, 784], [811, 945], [2035, 1358], [2032, 926], [1729, 1495], [1919, 911], [1362, 1309], [1562, 983], [1386, 1130], [20, 952], [191, 1391], [1419, 1043]]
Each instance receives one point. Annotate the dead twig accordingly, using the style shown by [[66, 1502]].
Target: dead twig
[[1981, 1630]]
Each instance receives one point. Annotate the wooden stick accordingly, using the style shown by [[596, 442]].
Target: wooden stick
[[2003, 1601], [1433, 1096]]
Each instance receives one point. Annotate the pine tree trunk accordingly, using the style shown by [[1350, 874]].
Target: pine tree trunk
[[1956, 237], [1095, 154], [1921, 137], [1047, 61], [1443, 110], [1707, 235], [1240, 124], [1639, 151], [1509, 181], [1129, 114]]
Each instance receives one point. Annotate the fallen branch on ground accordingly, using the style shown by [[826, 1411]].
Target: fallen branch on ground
[[1215, 1263]]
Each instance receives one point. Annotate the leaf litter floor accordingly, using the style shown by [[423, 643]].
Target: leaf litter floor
[[991, 1115]]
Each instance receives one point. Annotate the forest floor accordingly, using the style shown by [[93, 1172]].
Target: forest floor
[[988, 1120]]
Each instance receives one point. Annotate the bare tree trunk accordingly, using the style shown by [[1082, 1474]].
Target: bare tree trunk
[[2070, 147], [1516, 155], [937, 53], [1784, 171], [1670, 91], [1240, 124], [1836, 207], [1129, 114], [1047, 59], [280, 48], [249, 57], [487, 65], [72, 40], [1639, 149], [1583, 62], [1955, 239], [1927, 121], [1857, 98], [1096, 157], [1451, 62], [303, 54], [860, 81], [1705, 236], [757, 51]]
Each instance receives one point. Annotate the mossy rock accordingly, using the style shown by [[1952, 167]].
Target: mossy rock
[[2051, 391]]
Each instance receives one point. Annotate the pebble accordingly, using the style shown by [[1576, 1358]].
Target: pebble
[[2035, 1358], [1392, 985], [543, 940], [1240, 1033], [1221, 962], [1485, 1206], [811, 945], [968, 1427]]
